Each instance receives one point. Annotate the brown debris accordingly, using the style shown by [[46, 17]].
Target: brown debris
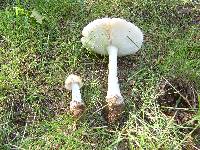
[[189, 144]]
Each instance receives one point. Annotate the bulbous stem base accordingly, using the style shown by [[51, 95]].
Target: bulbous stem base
[[77, 108], [114, 109]]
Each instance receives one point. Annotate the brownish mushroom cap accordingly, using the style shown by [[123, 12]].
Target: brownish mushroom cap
[[72, 79]]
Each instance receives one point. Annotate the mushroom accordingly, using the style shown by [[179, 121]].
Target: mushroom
[[77, 106], [113, 37]]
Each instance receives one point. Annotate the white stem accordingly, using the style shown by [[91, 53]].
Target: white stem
[[113, 85], [76, 94]]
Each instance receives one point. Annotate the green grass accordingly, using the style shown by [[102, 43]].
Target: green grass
[[35, 59]]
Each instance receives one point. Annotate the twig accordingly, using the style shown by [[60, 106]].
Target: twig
[[17, 147], [132, 41], [102, 127], [99, 109], [190, 109]]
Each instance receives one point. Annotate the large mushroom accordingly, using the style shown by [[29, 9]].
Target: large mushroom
[[113, 37], [74, 83]]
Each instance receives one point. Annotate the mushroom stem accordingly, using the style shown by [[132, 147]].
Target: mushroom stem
[[77, 106], [113, 85], [76, 94]]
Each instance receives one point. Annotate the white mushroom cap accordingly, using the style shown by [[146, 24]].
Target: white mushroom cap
[[72, 79], [117, 32]]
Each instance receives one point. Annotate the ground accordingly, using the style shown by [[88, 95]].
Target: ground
[[40, 45]]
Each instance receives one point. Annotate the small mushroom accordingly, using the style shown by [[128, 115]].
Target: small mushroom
[[113, 37], [77, 106]]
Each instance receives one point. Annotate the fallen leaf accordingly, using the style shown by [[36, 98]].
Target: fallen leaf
[[35, 14]]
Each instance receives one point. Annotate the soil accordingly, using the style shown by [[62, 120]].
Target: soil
[[178, 98]]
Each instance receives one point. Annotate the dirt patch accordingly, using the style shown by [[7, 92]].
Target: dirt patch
[[178, 98], [123, 145], [190, 10]]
